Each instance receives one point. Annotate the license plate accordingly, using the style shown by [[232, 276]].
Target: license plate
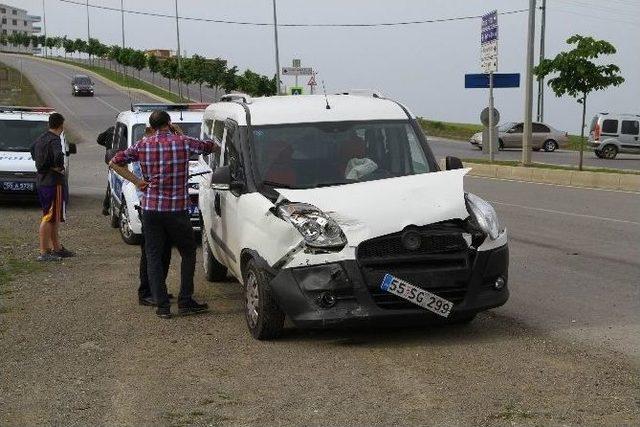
[[17, 186], [416, 295]]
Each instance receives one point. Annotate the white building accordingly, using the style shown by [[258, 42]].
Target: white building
[[16, 20]]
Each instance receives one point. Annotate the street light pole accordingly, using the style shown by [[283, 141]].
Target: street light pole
[[528, 87], [88, 28], [178, 52], [44, 24], [275, 33], [543, 20], [122, 20]]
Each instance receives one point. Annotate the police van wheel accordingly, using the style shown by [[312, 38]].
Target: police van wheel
[[114, 220], [264, 318], [213, 270], [609, 151], [128, 236]]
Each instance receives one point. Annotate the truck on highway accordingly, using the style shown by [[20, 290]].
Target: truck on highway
[[19, 128], [333, 211], [124, 199]]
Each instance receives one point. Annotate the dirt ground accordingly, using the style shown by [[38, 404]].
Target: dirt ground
[[76, 349]]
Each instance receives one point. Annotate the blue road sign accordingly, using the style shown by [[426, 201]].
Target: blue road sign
[[489, 35], [481, 81], [490, 19]]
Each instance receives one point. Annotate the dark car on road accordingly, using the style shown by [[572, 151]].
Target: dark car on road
[[81, 85]]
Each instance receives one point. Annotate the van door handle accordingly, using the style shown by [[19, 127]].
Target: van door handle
[[216, 204]]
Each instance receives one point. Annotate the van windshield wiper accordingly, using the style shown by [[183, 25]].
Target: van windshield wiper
[[278, 184], [331, 184]]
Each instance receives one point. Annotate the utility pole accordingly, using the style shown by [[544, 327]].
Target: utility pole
[[122, 20], [528, 87], [88, 30], [491, 123], [543, 19], [275, 33], [44, 24], [178, 53]]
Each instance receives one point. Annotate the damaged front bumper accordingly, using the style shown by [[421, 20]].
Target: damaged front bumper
[[348, 292]]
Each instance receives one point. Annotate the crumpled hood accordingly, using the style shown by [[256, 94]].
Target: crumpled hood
[[16, 161], [376, 208]]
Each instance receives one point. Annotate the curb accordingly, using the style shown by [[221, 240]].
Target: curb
[[599, 180], [99, 77]]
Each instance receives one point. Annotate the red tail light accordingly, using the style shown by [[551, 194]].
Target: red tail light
[[596, 132]]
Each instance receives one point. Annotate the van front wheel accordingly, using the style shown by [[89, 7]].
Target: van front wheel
[[609, 151], [264, 318]]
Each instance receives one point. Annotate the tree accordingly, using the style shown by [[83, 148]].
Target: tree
[[138, 60], [169, 69], [198, 68], [69, 46], [154, 66], [229, 81], [576, 74], [93, 48], [79, 45], [214, 72], [114, 54], [49, 43]]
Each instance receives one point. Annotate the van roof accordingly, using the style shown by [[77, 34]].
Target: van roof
[[308, 109], [135, 117]]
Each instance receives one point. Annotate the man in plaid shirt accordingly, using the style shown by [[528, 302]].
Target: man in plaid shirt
[[164, 159]]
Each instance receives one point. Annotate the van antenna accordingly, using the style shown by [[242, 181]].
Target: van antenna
[[326, 99]]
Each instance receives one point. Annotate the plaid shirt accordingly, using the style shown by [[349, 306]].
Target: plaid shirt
[[164, 159]]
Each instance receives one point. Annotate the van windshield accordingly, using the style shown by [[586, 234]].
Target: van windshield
[[19, 135], [323, 154]]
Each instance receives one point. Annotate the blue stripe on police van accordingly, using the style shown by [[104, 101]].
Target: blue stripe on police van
[[386, 282]]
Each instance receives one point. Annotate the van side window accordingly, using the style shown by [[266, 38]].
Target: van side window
[[610, 126], [231, 155], [630, 127], [218, 130], [205, 133], [120, 137]]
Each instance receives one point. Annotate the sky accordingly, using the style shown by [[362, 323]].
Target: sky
[[421, 65]]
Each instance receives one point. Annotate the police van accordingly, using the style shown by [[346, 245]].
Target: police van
[[19, 128], [129, 128]]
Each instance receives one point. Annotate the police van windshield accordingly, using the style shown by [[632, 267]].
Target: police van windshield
[[323, 154], [19, 135], [189, 129]]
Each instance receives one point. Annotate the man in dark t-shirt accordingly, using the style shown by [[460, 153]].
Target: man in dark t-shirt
[[47, 152]]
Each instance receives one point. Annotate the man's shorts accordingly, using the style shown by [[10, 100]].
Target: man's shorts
[[53, 201]]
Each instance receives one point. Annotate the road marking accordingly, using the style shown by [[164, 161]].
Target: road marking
[[600, 218], [117, 110], [610, 190]]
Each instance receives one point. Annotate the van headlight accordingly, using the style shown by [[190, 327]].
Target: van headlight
[[318, 230], [484, 215]]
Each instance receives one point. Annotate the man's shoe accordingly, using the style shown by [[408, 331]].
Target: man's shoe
[[64, 253], [148, 301], [48, 257], [163, 312], [191, 307]]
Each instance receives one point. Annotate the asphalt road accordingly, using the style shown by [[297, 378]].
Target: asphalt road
[[575, 257], [448, 147]]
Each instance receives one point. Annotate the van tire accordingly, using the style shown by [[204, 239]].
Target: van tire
[[264, 318], [609, 151], [128, 236], [114, 219], [213, 270], [550, 146]]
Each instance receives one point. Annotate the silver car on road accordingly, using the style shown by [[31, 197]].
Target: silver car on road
[[510, 136]]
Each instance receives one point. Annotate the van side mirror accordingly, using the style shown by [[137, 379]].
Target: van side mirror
[[453, 163]]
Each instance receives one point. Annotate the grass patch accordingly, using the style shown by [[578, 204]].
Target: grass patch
[[15, 89], [127, 81], [462, 131], [550, 166]]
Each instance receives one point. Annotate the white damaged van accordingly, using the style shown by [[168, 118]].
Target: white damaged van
[[333, 211]]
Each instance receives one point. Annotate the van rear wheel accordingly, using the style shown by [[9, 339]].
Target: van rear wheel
[[609, 151]]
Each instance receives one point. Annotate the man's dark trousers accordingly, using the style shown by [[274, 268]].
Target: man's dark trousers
[[144, 291], [161, 229]]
